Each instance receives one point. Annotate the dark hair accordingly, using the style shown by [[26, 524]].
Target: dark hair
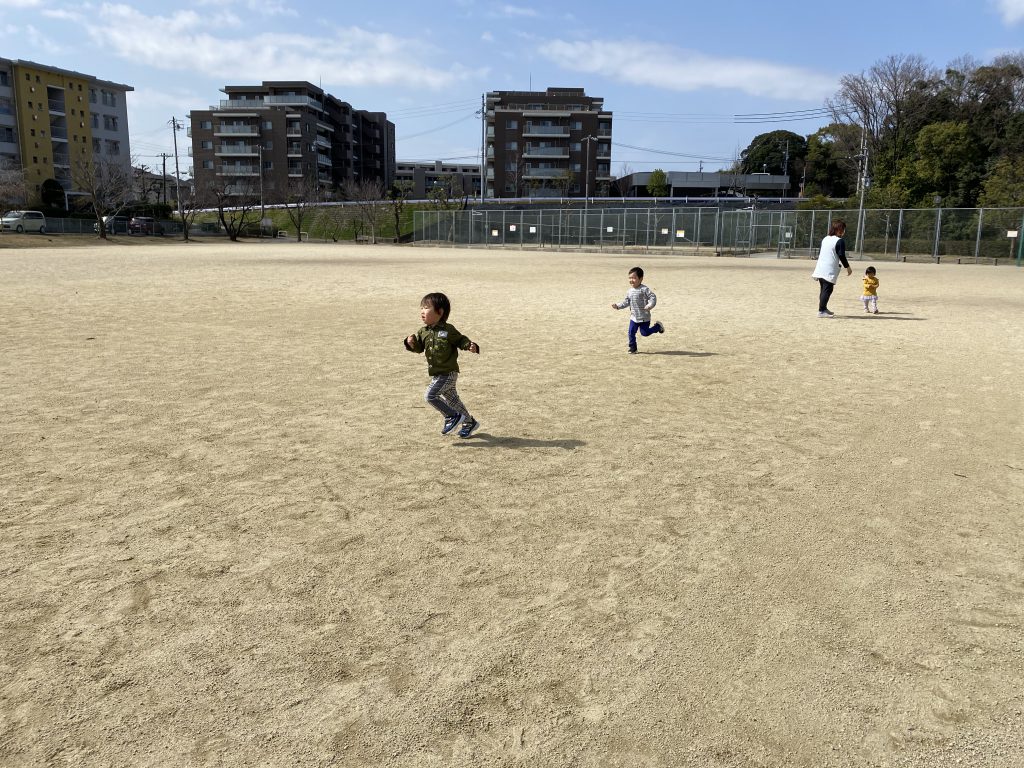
[[869, 271], [439, 302], [838, 225], [638, 271]]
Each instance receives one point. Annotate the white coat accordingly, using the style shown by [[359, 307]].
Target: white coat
[[828, 266]]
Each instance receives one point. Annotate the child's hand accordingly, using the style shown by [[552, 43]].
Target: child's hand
[[410, 341], [474, 347], [614, 305]]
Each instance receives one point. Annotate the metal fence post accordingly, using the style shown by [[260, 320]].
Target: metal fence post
[[977, 239], [899, 234]]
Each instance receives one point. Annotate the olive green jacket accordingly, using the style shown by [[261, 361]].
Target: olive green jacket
[[442, 343]]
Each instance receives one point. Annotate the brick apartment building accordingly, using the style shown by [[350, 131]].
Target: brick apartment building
[[54, 122], [270, 138], [553, 143], [423, 176]]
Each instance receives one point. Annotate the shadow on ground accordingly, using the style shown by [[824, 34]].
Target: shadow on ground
[[484, 440]]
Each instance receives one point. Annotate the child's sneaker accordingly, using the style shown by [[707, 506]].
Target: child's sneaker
[[450, 424], [661, 326], [469, 427], [632, 351]]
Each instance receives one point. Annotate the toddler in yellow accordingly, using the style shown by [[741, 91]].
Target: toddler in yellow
[[870, 297]]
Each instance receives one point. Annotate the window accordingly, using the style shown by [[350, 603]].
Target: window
[[206, 125], [113, 147], [6, 134], [110, 122], [512, 124], [208, 164], [95, 120], [206, 145], [577, 125], [268, 165], [5, 106], [3, 79], [511, 146], [92, 95], [96, 146], [268, 125], [510, 166], [268, 144], [577, 146]]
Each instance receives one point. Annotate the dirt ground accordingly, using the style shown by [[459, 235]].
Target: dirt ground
[[231, 534]]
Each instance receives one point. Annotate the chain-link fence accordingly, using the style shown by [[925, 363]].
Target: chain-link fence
[[964, 234]]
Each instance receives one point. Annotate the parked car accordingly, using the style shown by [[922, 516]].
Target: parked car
[[115, 225], [145, 225], [24, 221]]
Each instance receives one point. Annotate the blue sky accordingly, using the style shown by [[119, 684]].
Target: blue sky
[[674, 73]]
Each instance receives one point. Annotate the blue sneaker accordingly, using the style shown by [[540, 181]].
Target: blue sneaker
[[450, 424], [469, 427], [661, 326]]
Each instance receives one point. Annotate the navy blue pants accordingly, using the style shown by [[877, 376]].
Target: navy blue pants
[[644, 328]]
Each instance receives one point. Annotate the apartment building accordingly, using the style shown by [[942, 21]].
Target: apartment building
[[272, 138], [53, 120], [552, 143], [422, 177]]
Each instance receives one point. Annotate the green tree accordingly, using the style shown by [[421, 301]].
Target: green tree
[[1004, 185], [657, 183], [778, 152]]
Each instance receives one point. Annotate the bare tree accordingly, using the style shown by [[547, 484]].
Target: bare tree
[[13, 184], [106, 186], [237, 202], [564, 180], [881, 101], [301, 193], [191, 205], [366, 195], [397, 199]]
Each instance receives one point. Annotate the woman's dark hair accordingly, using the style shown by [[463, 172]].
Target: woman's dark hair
[[838, 227], [439, 302], [869, 271], [638, 272]]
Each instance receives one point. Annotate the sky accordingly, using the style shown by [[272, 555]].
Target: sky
[[683, 79]]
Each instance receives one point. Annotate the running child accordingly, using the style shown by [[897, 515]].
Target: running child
[[641, 300], [442, 343], [870, 297]]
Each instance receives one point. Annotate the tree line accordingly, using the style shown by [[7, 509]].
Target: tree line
[[918, 136]]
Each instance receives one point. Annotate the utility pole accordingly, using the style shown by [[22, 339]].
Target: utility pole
[[177, 173], [862, 183], [483, 144], [586, 170], [163, 178]]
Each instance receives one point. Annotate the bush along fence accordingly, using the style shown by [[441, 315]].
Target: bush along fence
[[969, 235]]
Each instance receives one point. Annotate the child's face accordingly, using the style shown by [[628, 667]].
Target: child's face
[[429, 315], [634, 280]]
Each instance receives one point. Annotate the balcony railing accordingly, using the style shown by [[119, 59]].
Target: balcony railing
[[241, 103], [59, 133], [235, 149], [546, 130], [239, 170], [237, 130], [303, 101], [544, 173], [56, 105], [546, 152]]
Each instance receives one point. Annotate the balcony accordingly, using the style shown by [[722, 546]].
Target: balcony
[[301, 101], [237, 149], [59, 134], [56, 106], [241, 103], [61, 159], [239, 170], [544, 173], [546, 130], [226, 129], [546, 152], [323, 141], [323, 160]]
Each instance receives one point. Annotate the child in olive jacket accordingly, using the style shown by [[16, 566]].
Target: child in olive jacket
[[442, 343]]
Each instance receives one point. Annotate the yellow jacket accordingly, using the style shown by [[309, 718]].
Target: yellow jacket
[[870, 286]]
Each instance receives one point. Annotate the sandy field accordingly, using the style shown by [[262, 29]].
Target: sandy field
[[232, 535]]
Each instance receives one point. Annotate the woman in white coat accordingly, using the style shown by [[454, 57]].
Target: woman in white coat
[[830, 257]]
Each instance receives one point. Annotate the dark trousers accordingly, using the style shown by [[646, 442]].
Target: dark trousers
[[644, 328], [825, 295]]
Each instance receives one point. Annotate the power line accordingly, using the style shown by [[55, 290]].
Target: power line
[[438, 128], [673, 154]]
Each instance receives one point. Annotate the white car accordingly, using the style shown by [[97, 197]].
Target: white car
[[24, 221]]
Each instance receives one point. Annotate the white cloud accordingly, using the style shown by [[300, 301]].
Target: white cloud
[[487, 37], [350, 56], [22, 3], [1011, 10], [41, 42], [662, 66], [518, 10]]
